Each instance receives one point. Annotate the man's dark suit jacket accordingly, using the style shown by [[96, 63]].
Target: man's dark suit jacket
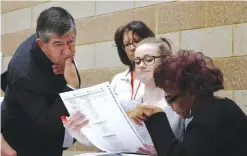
[[32, 108], [4, 81], [218, 128]]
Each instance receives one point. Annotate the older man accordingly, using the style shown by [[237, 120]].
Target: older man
[[31, 109]]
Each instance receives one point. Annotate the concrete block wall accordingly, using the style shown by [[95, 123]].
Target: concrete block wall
[[217, 28]]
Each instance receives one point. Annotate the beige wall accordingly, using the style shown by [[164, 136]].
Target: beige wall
[[219, 29]]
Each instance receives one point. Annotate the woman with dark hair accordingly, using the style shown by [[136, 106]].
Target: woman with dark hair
[[127, 37], [218, 126], [126, 87]]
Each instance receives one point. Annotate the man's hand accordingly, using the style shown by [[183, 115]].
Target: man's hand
[[6, 150], [58, 69], [70, 74], [142, 112]]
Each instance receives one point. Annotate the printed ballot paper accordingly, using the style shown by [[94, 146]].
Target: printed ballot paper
[[108, 154], [109, 127]]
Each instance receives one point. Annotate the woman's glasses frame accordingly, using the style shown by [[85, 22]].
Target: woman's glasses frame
[[145, 60], [127, 46]]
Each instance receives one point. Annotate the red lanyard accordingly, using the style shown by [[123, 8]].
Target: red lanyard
[[132, 86]]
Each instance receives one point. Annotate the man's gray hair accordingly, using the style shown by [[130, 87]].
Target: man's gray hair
[[54, 20]]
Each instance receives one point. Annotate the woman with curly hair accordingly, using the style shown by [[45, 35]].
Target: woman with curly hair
[[218, 126]]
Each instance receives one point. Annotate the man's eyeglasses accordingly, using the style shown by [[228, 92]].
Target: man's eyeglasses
[[171, 99], [147, 60]]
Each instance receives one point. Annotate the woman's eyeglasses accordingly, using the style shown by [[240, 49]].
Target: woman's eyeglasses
[[171, 99], [147, 60], [128, 45]]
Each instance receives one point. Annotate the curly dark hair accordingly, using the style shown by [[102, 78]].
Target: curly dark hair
[[189, 71]]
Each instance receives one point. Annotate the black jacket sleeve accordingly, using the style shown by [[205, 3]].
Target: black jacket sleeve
[[221, 132], [44, 114], [196, 140], [162, 136], [4, 81]]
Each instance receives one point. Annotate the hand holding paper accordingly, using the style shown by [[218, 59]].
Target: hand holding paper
[[108, 133], [148, 149], [142, 112], [75, 122]]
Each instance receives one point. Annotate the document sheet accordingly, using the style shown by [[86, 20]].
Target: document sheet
[[109, 128], [109, 154]]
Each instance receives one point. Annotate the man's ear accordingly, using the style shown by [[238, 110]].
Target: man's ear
[[41, 44]]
